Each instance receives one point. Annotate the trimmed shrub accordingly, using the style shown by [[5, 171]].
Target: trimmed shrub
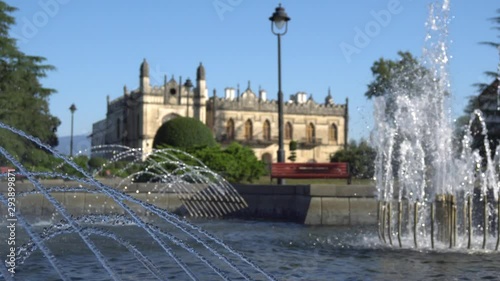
[[183, 132]]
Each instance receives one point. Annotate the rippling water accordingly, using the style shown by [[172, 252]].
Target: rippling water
[[288, 251]]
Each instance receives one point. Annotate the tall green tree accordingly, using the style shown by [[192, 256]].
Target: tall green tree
[[23, 99], [492, 74], [388, 73], [404, 76], [462, 122]]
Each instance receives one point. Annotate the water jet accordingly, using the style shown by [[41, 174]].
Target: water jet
[[453, 195]]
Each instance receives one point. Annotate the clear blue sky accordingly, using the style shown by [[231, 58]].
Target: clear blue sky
[[97, 47]]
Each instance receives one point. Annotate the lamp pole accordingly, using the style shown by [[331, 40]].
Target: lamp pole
[[72, 108], [188, 85], [279, 26]]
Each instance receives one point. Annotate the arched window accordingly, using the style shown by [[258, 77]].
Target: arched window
[[288, 131], [248, 130], [118, 129], [310, 133], [266, 130], [334, 133], [230, 129]]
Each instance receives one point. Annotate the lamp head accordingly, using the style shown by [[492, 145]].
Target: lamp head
[[279, 18]]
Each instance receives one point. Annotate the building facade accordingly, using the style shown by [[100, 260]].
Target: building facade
[[248, 118]]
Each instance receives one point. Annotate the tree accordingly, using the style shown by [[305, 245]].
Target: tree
[[23, 100], [388, 73], [360, 158], [493, 74], [461, 125], [396, 81], [183, 132]]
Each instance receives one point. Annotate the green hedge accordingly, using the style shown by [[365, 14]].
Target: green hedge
[[183, 132]]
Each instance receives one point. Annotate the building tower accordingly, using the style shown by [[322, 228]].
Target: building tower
[[145, 87], [200, 95]]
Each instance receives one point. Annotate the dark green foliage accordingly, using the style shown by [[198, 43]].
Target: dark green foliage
[[183, 132], [96, 162], [361, 158], [461, 125], [122, 168], [388, 73], [293, 151], [401, 77], [492, 74], [80, 160], [236, 163], [245, 164], [23, 100]]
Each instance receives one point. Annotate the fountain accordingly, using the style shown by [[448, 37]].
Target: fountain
[[429, 195], [202, 192], [429, 198], [184, 243]]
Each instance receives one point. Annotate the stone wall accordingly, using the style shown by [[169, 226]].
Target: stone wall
[[311, 204], [307, 204]]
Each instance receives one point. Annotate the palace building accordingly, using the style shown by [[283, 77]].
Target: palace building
[[248, 118]]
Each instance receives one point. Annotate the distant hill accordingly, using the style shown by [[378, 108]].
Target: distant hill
[[80, 143]]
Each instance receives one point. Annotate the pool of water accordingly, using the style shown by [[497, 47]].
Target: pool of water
[[285, 250]]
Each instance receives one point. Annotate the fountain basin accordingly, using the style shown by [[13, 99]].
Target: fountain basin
[[287, 250]]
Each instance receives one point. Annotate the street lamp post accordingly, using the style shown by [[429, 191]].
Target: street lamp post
[[72, 108], [188, 85], [279, 26]]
